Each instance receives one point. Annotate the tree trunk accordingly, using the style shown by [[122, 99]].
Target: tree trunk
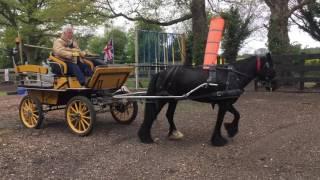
[[200, 31], [278, 38]]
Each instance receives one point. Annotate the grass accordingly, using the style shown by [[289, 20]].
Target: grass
[[131, 83], [3, 93]]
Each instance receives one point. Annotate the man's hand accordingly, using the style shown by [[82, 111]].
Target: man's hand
[[83, 53], [75, 54]]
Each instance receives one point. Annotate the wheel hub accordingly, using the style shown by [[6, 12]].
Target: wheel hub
[[29, 114], [121, 108]]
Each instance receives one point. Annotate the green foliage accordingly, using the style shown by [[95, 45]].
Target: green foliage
[[311, 50], [5, 60], [119, 44], [294, 49], [312, 62], [236, 31], [97, 44], [140, 25], [39, 20]]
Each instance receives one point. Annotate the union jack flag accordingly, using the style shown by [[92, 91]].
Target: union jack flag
[[108, 51]]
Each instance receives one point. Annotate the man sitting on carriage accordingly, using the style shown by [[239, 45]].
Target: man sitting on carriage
[[66, 49]]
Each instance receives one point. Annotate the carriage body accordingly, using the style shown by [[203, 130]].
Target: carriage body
[[47, 92]]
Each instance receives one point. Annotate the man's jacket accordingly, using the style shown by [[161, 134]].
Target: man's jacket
[[63, 49]]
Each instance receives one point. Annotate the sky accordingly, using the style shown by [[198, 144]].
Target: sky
[[254, 42], [296, 35]]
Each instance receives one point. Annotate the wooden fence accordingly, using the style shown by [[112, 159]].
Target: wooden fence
[[293, 71], [7, 77], [296, 71]]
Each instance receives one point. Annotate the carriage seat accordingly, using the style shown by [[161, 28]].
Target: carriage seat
[[59, 67]]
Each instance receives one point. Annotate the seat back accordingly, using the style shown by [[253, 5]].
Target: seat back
[[58, 66]]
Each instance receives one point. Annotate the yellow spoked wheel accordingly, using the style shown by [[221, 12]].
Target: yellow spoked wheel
[[80, 115], [30, 111], [124, 112]]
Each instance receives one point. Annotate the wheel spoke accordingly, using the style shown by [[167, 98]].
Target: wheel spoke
[[86, 122], [75, 124], [85, 112], [76, 106], [79, 125], [73, 109], [79, 105], [33, 120], [82, 125]]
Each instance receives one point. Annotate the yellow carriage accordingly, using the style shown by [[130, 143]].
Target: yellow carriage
[[47, 92]]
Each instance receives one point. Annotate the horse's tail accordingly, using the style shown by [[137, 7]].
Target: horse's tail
[[152, 85], [150, 105], [149, 110]]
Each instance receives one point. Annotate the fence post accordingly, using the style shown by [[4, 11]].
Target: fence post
[[301, 65], [6, 75], [136, 50]]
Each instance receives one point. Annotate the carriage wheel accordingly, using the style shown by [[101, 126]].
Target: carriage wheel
[[30, 111], [124, 112], [80, 115]]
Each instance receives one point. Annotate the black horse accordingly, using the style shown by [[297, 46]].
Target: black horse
[[180, 80]]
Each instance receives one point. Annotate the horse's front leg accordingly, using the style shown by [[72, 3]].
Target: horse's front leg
[[173, 134], [217, 139], [233, 127], [152, 110]]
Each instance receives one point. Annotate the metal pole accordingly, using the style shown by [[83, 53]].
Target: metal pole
[[20, 48], [40, 47], [136, 59]]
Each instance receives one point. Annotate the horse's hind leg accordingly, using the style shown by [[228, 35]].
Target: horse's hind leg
[[152, 109], [173, 134], [217, 139], [233, 127]]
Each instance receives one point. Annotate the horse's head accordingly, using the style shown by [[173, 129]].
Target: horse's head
[[266, 72]]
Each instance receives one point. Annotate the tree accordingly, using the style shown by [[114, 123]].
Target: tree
[[119, 38], [150, 12], [281, 10], [308, 19], [38, 20], [236, 31], [169, 12]]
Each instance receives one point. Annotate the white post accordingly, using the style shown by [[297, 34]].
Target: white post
[[6, 75]]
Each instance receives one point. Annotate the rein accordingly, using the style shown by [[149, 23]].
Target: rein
[[235, 71]]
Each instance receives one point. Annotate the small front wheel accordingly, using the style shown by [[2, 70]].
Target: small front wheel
[[124, 112], [80, 115], [30, 111]]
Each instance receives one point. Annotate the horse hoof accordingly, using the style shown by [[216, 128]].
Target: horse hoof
[[176, 135], [219, 141], [231, 129], [145, 138]]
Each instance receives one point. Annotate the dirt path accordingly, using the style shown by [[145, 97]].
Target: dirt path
[[278, 139]]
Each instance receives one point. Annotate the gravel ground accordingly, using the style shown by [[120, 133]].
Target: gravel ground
[[278, 139]]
